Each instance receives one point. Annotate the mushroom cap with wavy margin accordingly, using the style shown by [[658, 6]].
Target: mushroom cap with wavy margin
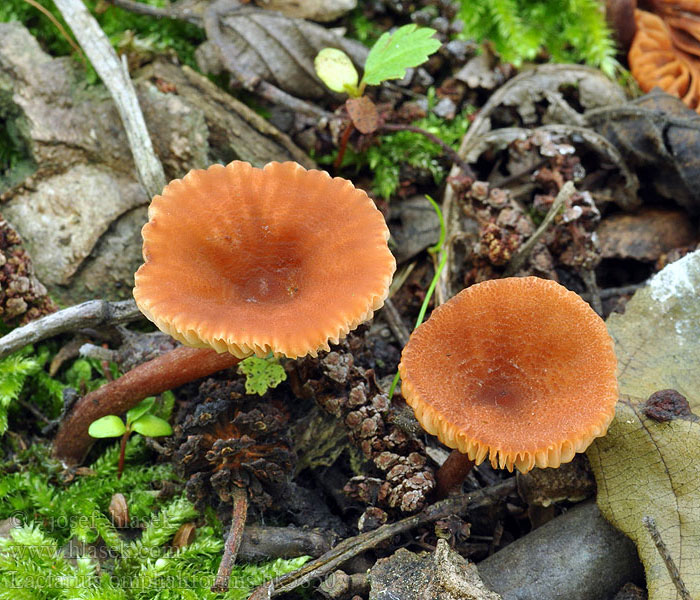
[[665, 53], [252, 261], [519, 369]]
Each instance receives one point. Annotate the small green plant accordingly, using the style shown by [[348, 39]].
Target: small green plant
[[569, 30], [393, 53], [67, 546], [22, 374], [261, 374], [139, 419]]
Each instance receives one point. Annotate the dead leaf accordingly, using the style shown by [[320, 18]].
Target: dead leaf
[[645, 235], [644, 467], [657, 340], [363, 113], [314, 10], [659, 136], [272, 47]]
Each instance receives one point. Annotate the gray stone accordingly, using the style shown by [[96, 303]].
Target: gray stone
[[577, 556]]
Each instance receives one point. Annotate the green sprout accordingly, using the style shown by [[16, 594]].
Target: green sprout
[[393, 53], [139, 419], [261, 374]]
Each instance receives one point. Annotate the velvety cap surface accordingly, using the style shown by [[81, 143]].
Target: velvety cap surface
[[520, 370], [279, 259]]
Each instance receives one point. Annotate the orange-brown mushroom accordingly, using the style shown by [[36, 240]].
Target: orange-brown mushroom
[[245, 260], [519, 370], [240, 260], [665, 51]]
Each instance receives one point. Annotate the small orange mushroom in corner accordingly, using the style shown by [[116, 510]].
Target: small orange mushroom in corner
[[665, 51], [517, 370]]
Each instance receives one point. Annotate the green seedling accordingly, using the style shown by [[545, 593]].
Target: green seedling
[[389, 58], [393, 53], [139, 419], [261, 374]]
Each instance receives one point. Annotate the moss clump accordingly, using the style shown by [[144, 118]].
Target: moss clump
[[569, 30]]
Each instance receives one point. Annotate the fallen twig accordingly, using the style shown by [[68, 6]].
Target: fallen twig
[[168, 371], [233, 541], [330, 561], [673, 572], [116, 78], [395, 323], [524, 251], [94, 313]]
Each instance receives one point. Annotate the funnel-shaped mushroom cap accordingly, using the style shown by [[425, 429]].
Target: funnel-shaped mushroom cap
[[520, 370], [250, 260], [665, 54]]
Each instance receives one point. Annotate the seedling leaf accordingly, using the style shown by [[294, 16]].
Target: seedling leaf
[[152, 426], [140, 409], [261, 374], [336, 70], [409, 46], [106, 427]]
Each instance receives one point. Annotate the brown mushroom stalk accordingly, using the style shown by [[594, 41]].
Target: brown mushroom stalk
[[233, 541], [452, 473], [518, 370], [168, 371]]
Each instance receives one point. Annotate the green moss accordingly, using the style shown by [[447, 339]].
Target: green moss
[[569, 30], [125, 30], [68, 547], [385, 158]]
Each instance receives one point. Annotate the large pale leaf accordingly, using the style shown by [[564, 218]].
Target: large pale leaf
[[657, 339], [643, 467]]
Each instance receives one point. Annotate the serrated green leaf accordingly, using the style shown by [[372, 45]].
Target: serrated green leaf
[[409, 46], [109, 426], [151, 426], [140, 409], [261, 374]]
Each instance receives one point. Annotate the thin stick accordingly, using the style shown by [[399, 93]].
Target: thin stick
[[565, 193], [94, 313], [233, 542], [673, 572], [345, 550], [168, 371], [449, 151], [395, 322], [57, 25], [116, 78]]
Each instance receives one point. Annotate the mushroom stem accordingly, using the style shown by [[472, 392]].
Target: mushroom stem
[[451, 475], [168, 371], [233, 542]]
